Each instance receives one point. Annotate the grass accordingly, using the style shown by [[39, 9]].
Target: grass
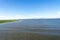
[[5, 21]]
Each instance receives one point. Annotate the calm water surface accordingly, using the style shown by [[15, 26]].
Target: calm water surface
[[41, 26]]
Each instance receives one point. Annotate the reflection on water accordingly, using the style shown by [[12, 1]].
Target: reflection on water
[[41, 26]]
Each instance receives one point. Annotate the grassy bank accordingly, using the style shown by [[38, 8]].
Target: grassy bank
[[5, 21]]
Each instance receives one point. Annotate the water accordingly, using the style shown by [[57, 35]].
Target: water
[[40, 26]]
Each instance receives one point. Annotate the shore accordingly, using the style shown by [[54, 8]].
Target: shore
[[6, 21]]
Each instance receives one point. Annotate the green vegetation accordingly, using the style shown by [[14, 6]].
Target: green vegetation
[[4, 21]]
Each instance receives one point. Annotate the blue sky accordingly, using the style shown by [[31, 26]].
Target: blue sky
[[28, 9]]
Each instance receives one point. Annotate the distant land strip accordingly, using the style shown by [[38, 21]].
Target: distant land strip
[[5, 21]]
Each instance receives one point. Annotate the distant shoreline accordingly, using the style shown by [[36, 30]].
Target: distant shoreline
[[6, 21]]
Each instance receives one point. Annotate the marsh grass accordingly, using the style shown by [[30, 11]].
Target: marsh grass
[[6, 21]]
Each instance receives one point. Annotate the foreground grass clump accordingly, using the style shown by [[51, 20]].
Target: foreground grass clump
[[4, 21]]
